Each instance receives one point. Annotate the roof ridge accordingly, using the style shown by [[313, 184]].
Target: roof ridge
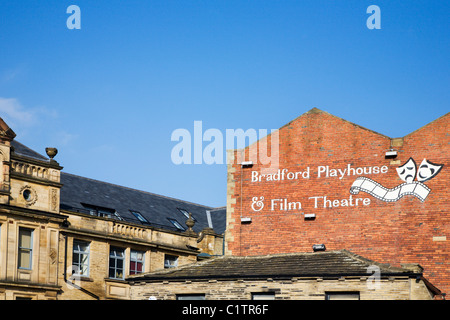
[[382, 266], [37, 154], [312, 111], [270, 255], [317, 110], [176, 269], [218, 208], [6, 131], [304, 264], [133, 189], [426, 125]]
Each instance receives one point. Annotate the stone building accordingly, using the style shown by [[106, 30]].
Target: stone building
[[29, 222], [114, 231], [330, 185], [296, 276], [68, 237]]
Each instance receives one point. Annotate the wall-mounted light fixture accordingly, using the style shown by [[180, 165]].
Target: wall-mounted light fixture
[[310, 216], [246, 164], [390, 154], [246, 220]]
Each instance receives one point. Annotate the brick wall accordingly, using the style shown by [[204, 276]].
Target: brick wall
[[403, 231]]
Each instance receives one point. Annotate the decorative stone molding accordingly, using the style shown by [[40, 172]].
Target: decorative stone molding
[[29, 195], [29, 169]]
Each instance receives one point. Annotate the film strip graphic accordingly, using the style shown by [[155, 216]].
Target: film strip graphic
[[415, 188]]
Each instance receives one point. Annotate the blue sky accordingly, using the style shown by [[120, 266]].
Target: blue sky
[[109, 95]]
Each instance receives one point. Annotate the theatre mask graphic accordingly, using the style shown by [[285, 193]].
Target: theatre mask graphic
[[406, 172]]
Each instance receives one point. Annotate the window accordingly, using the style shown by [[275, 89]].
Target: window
[[80, 260], [263, 296], [186, 214], [29, 195], [117, 216], [26, 194], [25, 248], [176, 224], [193, 296], [342, 296], [116, 263], [136, 262], [170, 261], [139, 216], [102, 212]]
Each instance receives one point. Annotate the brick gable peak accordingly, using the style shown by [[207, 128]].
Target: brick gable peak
[[319, 112], [445, 117]]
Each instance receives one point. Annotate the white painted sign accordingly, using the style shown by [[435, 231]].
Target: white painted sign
[[322, 172], [406, 172]]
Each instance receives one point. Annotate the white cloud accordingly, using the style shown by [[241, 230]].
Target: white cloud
[[13, 113], [12, 74], [37, 123], [64, 138]]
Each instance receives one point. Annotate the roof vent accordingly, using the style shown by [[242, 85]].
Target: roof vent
[[318, 247]]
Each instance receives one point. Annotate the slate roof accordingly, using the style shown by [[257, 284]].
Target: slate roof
[[218, 219], [78, 194], [323, 264], [23, 150]]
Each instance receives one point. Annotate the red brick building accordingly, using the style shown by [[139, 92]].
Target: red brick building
[[347, 187]]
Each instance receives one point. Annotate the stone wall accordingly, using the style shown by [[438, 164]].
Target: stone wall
[[395, 288], [101, 234]]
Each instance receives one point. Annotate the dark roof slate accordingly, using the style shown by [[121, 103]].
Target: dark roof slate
[[78, 190], [218, 219], [77, 193], [328, 263], [23, 150]]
